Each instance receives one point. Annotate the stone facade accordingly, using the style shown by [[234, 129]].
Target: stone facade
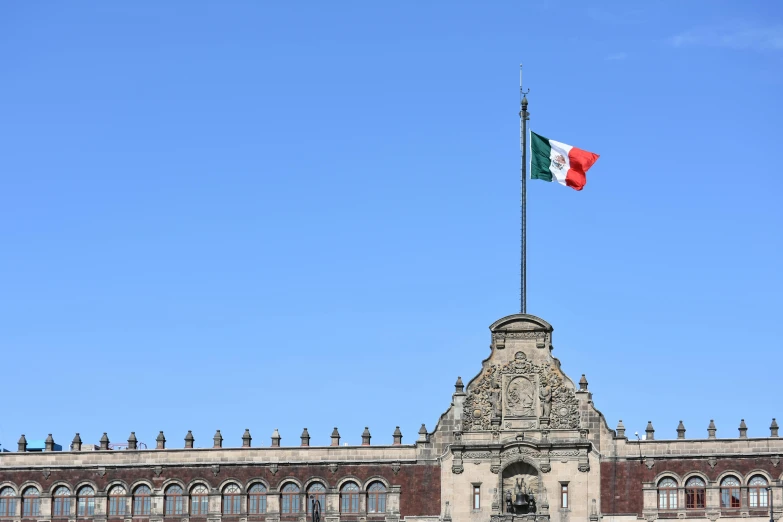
[[520, 441]]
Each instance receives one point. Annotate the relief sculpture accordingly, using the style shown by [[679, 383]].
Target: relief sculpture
[[557, 400]]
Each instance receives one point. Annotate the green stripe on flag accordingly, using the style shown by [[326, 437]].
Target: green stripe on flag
[[540, 152]]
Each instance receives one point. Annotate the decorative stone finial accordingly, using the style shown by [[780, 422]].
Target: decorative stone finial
[[583, 383], [620, 429], [335, 437], [22, 444], [305, 436], [743, 429], [773, 428], [189, 439], [104, 441], [132, 442], [458, 386], [160, 441], [649, 431], [366, 436], [49, 443], [276, 439], [76, 443], [681, 430], [397, 436], [424, 436], [217, 440], [246, 438], [711, 429]]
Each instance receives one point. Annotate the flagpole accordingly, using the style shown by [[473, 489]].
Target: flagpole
[[523, 117]]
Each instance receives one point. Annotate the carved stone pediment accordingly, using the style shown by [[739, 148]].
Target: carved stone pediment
[[520, 390]]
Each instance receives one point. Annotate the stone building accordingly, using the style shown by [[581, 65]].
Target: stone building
[[520, 441]]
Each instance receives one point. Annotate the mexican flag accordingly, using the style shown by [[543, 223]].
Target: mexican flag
[[555, 161]]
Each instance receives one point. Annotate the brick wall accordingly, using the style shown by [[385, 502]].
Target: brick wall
[[621, 481], [419, 483]]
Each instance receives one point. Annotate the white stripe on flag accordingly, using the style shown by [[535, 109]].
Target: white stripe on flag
[[559, 162]]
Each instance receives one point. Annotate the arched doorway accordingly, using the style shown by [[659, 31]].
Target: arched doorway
[[522, 490]]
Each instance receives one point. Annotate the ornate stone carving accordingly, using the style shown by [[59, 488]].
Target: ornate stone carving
[[157, 470], [333, 467], [457, 468], [520, 397], [495, 468], [649, 462], [274, 469], [484, 401], [545, 395], [477, 455], [101, 471], [215, 470], [46, 472], [713, 515], [518, 450], [458, 436], [775, 461], [395, 467], [564, 453], [712, 461]]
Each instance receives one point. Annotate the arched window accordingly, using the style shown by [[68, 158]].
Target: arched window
[[376, 498], [667, 494], [290, 497], [730, 492], [62, 502], [316, 491], [174, 503], [7, 502], [349, 498], [199, 500], [256, 499], [117, 501], [232, 498], [757, 492], [141, 501], [31, 502], [694, 493], [85, 502]]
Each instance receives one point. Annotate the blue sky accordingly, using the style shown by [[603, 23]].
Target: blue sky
[[277, 215]]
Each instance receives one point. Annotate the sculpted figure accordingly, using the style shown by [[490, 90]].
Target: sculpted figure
[[494, 398], [545, 394]]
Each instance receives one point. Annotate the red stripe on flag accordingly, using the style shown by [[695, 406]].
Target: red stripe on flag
[[581, 161]]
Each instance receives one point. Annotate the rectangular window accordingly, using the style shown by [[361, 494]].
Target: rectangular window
[[117, 506], [31, 507], [476, 497], [564, 495], [257, 504], [141, 506]]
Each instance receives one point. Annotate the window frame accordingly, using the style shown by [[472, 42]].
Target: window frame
[[376, 496], [199, 501], [668, 494], [349, 497], [758, 493], [258, 497], [231, 500], [61, 502], [31, 502], [564, 500], [320, 495], [85, 501], [694, 494], [173, 501], [727, 492], [290, 494], [7, 502], [141, 500], [117, 502], [475, 497]]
